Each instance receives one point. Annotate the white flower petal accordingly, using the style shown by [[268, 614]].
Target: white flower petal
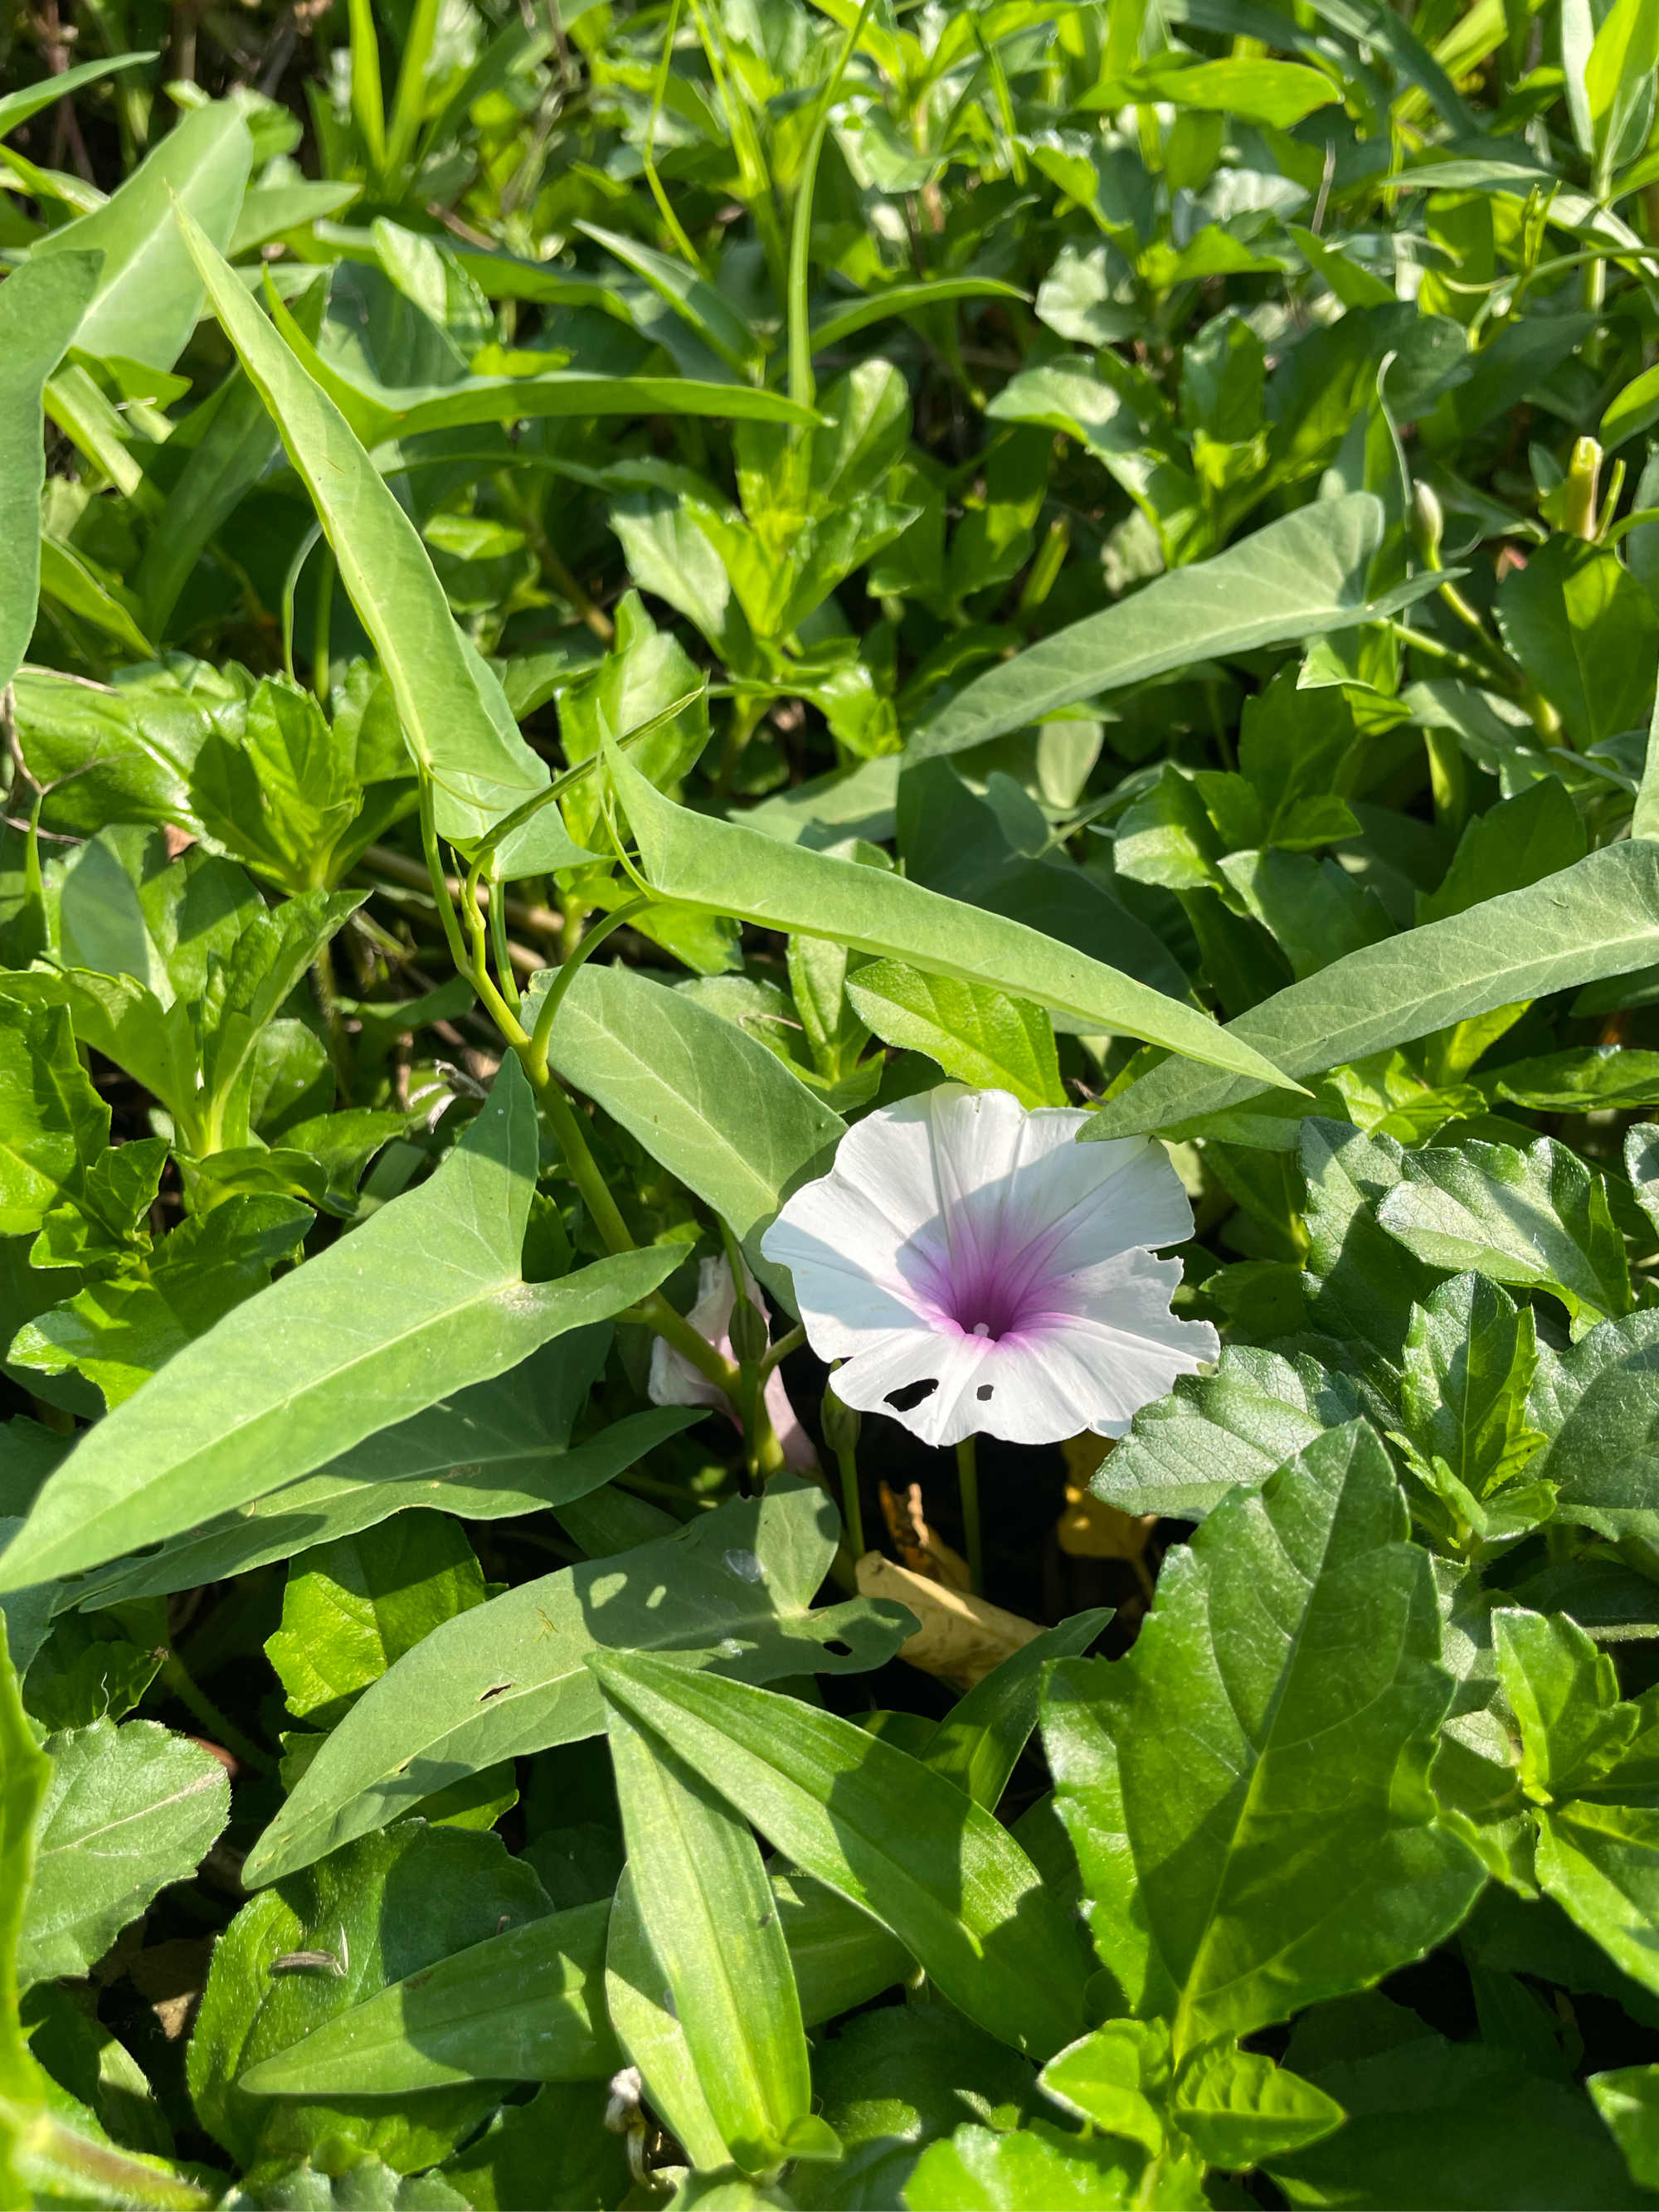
[[966, 1242], [1126, 1370], [954, 1365], [1089, 1207], [841, 1254], [1034, 1398], [901, 1358], [888, 1159]]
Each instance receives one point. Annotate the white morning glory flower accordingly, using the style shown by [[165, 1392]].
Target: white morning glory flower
[[963, 1242], [676, 1382]]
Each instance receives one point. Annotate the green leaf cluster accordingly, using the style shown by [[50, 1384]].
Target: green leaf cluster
[[588, 601]]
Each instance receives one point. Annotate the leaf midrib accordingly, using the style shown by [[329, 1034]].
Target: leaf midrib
[[1260, 1750], [240, 1430], [548, 1686]]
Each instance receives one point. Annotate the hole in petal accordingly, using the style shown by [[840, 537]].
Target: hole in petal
[[984, 1391], [912, 1393]]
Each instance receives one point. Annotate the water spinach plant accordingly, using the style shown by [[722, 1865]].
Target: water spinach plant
[[828, 1037]]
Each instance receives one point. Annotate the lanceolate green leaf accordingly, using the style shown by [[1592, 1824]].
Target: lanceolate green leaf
[[726, 869], [17, 107], [905, 1844], [66, 578], [1267, 1813], [41, 306], [379, 414], [390, 1907], [454, 713], [1295, 578], [903, 301], [733, 1591], [1598, 918], [841, 1957], [980, 1036], [711, 1921], [707, 309], [241, 441], [477, 1454], [526, 2005], [426, 1297], [641, 2013], [978, 1744], [148, 292], [714, 1105]]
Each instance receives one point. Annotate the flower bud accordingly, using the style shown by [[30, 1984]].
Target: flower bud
[[748, 1336], [1578, 514], [841, 1425], [1428, 523]]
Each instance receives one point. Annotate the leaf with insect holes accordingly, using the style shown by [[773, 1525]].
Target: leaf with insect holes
[[733, 1591]]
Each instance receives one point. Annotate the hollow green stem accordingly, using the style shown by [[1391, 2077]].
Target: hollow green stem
[[506, 983], [569, 778], [801, 387], [654, 1313], [554, 994], [584, 1168], [1493, 655], [852, 1507], [473, 922], [182, 1685], [664, 208], [968, 1479], [763, 1453], [434, 868], [567, 1129], [783, 1348], [674, 1329], [1464, 663], [319, 628]]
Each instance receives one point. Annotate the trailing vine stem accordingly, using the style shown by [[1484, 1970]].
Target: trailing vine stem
[[654, 1311], [762, 1449]]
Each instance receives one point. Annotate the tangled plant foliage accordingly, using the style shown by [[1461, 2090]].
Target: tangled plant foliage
[[829, 1021]]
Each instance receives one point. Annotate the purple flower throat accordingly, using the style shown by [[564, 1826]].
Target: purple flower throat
[[984, 1278]]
